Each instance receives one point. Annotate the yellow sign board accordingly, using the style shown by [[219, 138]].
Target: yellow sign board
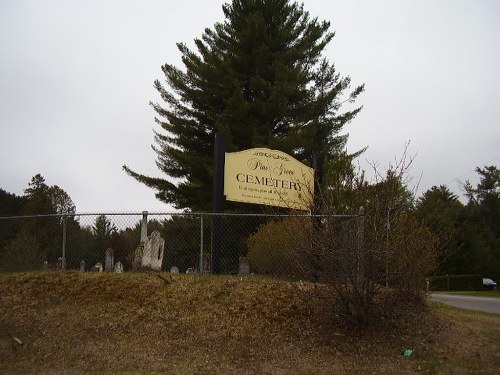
[[269, 177]]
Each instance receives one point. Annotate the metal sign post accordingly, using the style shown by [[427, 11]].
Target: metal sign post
[[217, 202]]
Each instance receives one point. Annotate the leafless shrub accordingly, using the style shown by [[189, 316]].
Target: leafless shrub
[[356, 251]]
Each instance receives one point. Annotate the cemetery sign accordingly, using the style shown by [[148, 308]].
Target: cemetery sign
[[269, 177]]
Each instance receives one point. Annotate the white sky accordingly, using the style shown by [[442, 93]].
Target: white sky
[[76, 78]]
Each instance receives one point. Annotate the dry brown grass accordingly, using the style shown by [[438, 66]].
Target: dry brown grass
[[470, 345], [135, 323]]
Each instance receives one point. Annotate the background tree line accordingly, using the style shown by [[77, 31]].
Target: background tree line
[[27, 242], [469, 234], [468, 238]]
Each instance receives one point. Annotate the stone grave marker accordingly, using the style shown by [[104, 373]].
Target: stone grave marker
[[82, 266], [109, 260], [174, 270], [152, 254], [149, 252], [244, 266], [118, 267], [207, 263], [137, 263], [97, 267]]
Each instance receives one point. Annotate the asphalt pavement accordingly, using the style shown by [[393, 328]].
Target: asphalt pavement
[[483, 304]]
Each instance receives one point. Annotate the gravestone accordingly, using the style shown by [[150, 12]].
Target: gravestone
[[137, 263], [109, 260], [118, 267], [207, 263], [174, 270], [45, 266], [82, 266], [97, 267], [149, 252], [244, 266], [152, 253]]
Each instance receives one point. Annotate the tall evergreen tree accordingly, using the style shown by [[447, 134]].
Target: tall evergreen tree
[[37, 197], [484, 200], [10, 205], [42, 199], [484, 212], [102, 230], [440, 210], [260, 79]]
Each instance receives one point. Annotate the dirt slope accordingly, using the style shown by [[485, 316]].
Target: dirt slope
[[72, 323]]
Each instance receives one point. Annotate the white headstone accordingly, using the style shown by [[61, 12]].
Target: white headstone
[[152, 254], [118, 267], [139, 251], [82, 266], [174, 270]]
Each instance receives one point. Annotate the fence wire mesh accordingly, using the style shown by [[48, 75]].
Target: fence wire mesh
[[284, 245]]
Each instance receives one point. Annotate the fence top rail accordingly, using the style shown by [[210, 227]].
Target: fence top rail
[[170, 214]]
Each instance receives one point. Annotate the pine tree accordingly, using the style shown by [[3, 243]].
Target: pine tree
[[42, 199], [483, 208], [440, 210], [260, 79], [102, 231], [37, 197], [10, 205]]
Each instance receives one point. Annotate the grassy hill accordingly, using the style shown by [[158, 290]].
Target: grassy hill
[[137, 323]]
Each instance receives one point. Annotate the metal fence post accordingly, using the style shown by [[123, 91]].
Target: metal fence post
[[388, 228], [201, 244], [217, 202], [144, 227], [63, 261], [361, 240]]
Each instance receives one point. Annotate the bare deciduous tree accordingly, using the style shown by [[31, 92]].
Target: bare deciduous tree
[[357, 252]]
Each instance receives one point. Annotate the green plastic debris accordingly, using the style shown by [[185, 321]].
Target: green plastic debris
[[408, 352]]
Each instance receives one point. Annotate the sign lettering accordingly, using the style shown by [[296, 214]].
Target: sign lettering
[[270, 177]]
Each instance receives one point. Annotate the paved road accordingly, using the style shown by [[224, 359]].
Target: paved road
[[484, 304]]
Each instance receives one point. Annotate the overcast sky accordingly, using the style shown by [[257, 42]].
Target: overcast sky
[[76, 78]]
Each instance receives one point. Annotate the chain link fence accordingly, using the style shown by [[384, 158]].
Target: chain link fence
[[285, 245]]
